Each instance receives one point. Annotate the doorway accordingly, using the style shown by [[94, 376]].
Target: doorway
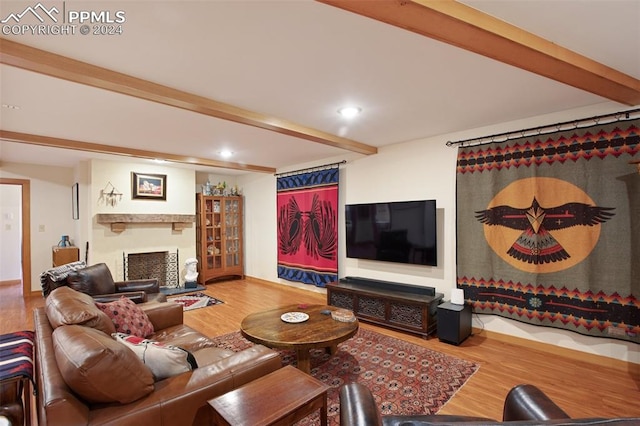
[[25, 231]]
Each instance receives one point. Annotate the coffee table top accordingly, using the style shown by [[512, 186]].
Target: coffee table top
[[320, 330]]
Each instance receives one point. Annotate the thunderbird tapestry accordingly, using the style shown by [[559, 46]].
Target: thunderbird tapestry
[[548, 229], [308, 227]]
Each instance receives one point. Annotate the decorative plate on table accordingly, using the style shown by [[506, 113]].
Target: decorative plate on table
[[294, 317]]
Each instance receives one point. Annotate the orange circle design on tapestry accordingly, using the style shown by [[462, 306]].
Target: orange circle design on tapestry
[[578, 241]]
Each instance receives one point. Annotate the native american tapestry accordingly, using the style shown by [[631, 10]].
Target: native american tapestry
[[548, 229], [308, 227]]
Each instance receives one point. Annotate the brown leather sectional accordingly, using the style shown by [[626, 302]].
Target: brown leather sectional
[[84, 377]]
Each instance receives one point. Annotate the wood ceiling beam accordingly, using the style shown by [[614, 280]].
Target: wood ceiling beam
[[462, 26], [125, 151], [43, 62]]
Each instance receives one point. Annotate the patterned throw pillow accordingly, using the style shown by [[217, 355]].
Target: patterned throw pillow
[[163, 360], [127, 317]]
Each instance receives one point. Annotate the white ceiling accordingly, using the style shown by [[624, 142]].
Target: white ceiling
[[297, 60]]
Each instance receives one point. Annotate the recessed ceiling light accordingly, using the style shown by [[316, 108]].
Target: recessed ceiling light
[[225, 153], [9, 106], [349, 112]]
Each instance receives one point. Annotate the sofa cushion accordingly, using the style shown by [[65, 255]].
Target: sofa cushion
[[183, 336], [127, 317], [65, 306], [206, 356], [99, 369], [163, 360]]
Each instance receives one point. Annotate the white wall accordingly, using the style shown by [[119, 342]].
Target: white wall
[[50, 211], [10, 232], [260, 240], [107, 246], [422, 169]]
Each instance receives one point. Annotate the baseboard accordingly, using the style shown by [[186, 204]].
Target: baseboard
[[599, 360], [298, 286]]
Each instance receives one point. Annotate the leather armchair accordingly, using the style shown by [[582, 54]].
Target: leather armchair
[[97, 281], [524, 405], [527, 402]]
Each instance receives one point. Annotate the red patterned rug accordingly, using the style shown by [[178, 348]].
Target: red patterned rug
[[405, 378]]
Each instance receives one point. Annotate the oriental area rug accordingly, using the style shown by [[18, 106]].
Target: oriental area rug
[[404, 378], [193, 301]]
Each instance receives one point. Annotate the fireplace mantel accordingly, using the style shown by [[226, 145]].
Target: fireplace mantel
[[119, 221]]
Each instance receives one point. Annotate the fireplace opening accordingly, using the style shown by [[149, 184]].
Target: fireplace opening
[[161, 265]]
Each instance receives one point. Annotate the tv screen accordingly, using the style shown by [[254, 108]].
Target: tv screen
[[403, 232]]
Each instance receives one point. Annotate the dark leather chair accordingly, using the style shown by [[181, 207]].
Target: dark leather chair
[[97, 281], [527, 402], [524, 405]]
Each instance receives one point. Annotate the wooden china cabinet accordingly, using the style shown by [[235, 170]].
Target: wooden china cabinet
[[219, 237]]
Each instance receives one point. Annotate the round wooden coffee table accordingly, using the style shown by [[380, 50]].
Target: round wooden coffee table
[[318, 331]]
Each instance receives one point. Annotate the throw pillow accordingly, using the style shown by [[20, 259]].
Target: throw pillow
[[127, 317], [163, 360], [99, 369], [65, 306]]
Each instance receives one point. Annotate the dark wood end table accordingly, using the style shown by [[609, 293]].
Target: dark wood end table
[[279, 398], [319, 331]]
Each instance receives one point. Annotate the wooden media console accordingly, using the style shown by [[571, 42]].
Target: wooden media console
[[402, 306]]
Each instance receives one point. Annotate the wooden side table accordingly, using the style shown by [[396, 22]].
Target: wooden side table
[[63, 255], [279, 398]]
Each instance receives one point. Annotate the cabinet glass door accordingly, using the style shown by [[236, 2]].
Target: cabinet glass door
[[213, 228], [232, 232]]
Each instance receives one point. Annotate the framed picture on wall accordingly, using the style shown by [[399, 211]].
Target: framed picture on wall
[[148, 186], [75, 208]]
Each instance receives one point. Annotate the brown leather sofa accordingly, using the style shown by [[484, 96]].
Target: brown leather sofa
[[97, 281], [524, 405], [85, 377]]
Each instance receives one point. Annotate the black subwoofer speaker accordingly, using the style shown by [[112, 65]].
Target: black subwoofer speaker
[[454, 322]]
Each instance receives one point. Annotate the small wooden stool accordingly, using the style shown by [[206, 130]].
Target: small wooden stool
[[279, 398], [16, 376]]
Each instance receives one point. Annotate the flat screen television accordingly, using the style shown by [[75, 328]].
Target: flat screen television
[[402, 232]]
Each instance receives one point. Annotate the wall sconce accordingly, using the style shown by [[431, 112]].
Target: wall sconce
[[637, 163]]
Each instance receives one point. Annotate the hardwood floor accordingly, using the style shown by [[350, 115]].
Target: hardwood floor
[[584, 386]]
